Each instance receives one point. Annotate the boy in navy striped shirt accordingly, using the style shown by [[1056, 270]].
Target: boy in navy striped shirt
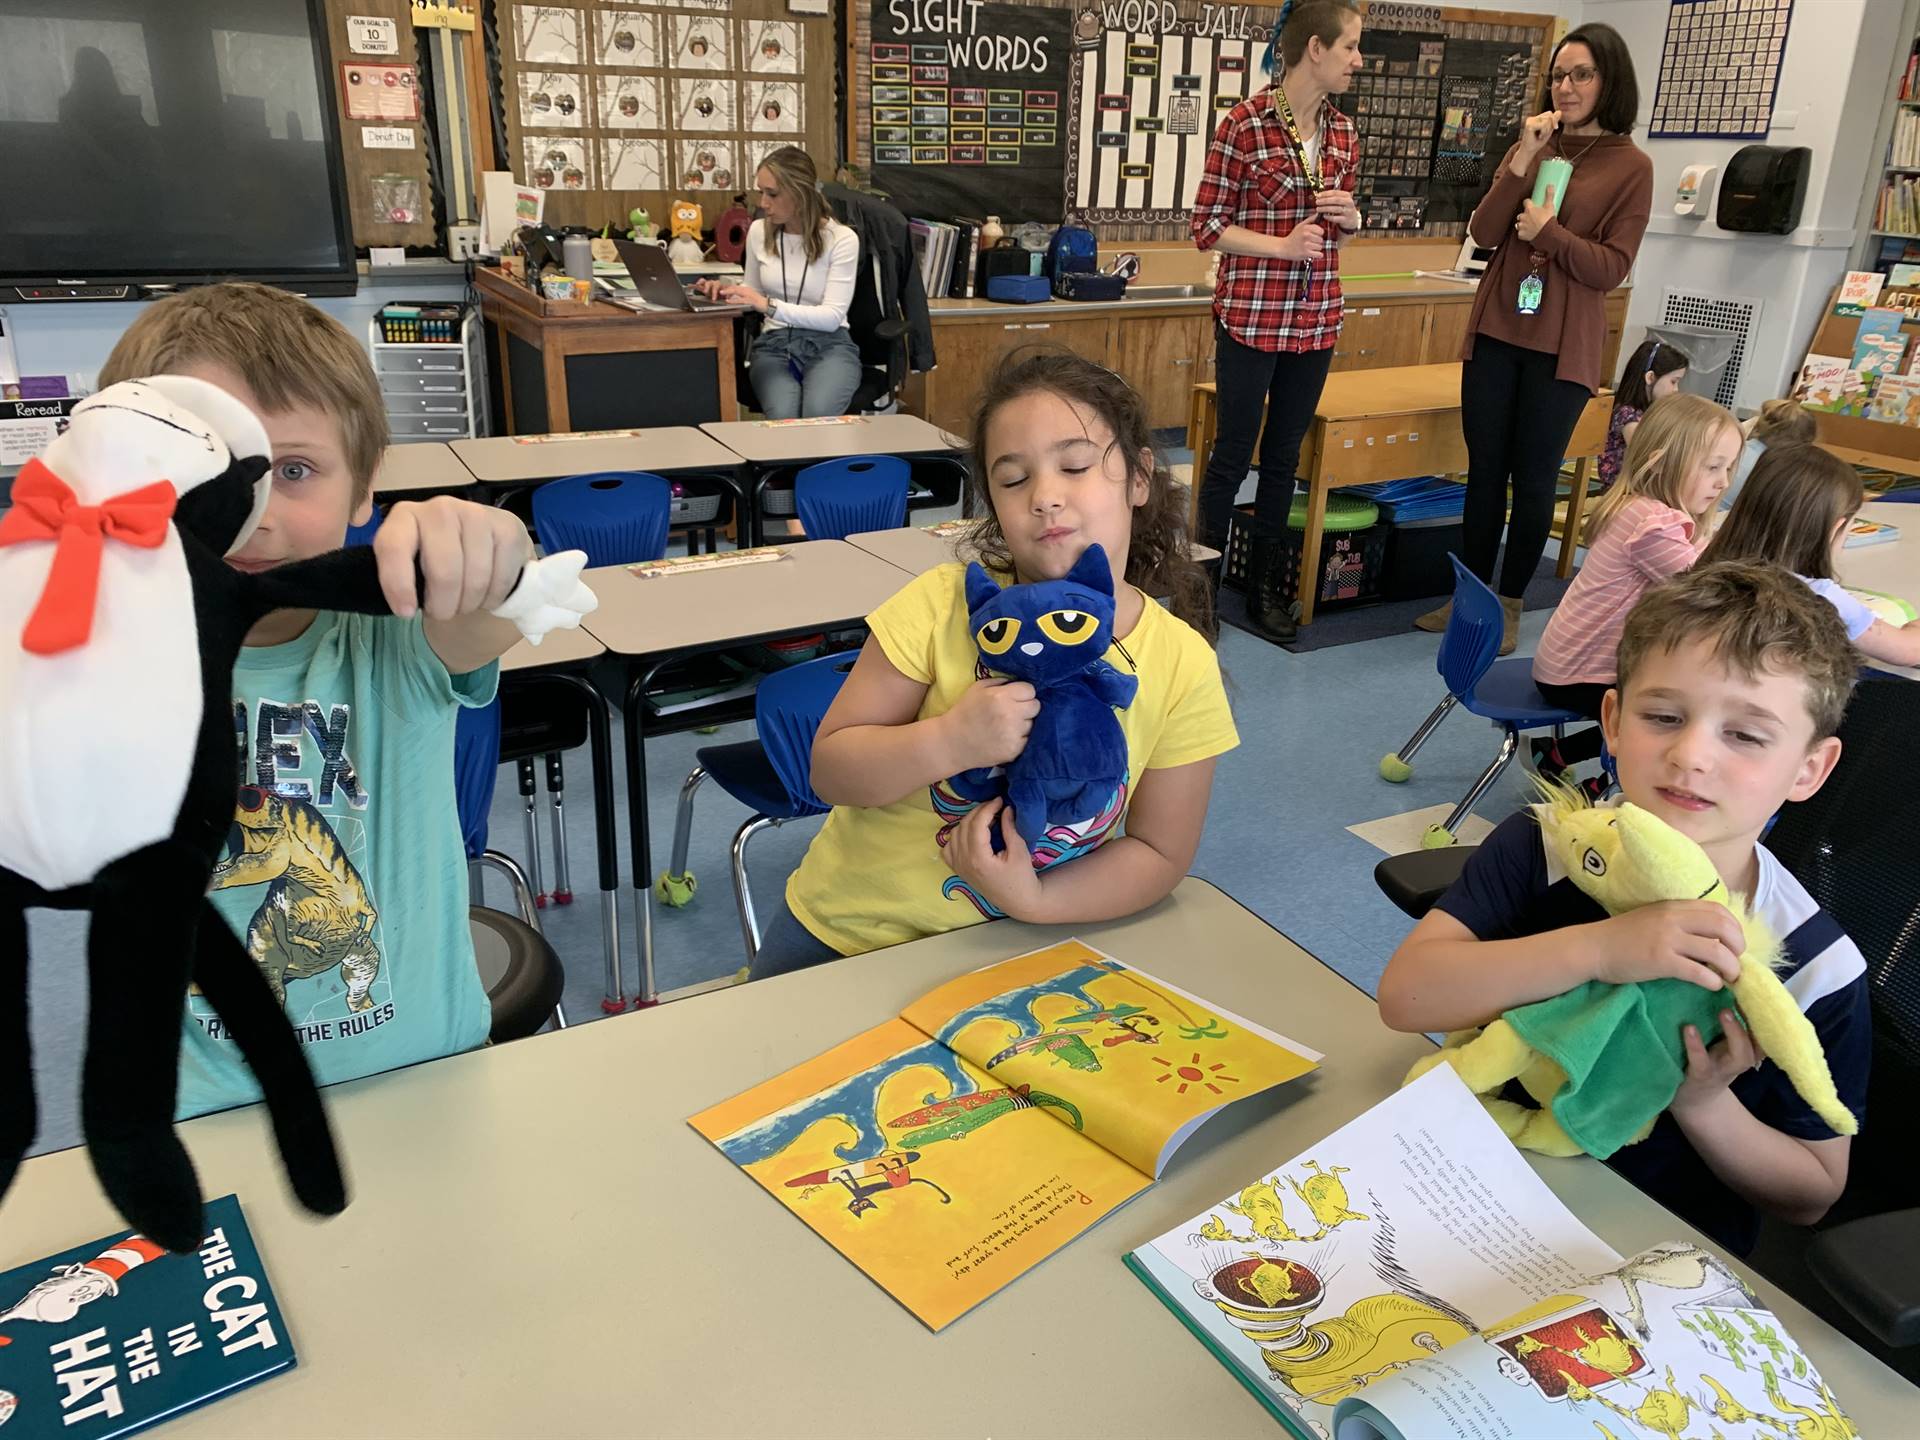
[[1733, 679]]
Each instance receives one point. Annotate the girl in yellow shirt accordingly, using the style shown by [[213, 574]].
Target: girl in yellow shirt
[[1062, 460]]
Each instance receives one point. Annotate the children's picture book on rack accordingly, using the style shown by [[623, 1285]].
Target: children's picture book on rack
[[952, 1149], [1411, 1278], [1896, 399], [1879, 345], [117, 1335], [1858, 290], [1830, 383]]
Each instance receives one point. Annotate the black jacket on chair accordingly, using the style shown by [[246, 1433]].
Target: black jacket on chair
[[885, 239]]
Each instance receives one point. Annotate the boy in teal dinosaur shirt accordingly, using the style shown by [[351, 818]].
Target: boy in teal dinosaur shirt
[[345, 875]]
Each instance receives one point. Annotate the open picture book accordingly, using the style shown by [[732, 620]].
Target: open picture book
[[952, 1149], [1411, 1278]]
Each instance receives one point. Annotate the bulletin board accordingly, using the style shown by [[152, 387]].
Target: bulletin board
[[608, 106], [1720, 69], [382, 110], [1149, 81], [968, 120]]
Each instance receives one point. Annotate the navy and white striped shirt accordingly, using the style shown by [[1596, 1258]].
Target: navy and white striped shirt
[[1512, 888]]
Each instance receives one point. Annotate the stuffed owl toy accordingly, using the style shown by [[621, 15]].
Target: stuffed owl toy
[[1604, 1060], [113, 583], [1054, 635]]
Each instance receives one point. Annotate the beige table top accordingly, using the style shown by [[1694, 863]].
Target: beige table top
[[917, 549], [560, 647], [814, 583], [779, 443], [518, 459], [540, 1245], [1892, 568], [1357, 292], [420, 465]]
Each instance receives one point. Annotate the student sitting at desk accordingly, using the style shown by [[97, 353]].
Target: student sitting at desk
[[1733, 679], [800, 264], [345, 876], [1062, 460]]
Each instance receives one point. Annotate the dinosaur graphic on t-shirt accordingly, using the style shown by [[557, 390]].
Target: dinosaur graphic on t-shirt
[[316, 914]]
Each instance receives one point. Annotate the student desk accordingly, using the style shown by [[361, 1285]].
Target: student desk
[[816, 585], [919, 548], [770, 447], [1388, 424], [420, 467], [559, 662], [545, 1247], [561, 365], [1892, 568]]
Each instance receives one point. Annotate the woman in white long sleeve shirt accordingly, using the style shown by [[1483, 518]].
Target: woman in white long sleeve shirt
[[800, 264]]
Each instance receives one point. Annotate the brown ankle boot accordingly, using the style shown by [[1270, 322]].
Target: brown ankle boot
[[1510, 629], [1434, 621]]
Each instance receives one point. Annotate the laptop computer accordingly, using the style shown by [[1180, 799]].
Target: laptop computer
[[655, 286]]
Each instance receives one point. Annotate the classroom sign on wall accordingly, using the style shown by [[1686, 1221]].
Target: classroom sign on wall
[[968, 103]]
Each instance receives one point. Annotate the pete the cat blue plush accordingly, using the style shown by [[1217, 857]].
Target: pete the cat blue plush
[[1054, 635]]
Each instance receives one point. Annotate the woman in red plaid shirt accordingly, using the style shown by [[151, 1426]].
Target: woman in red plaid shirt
[[1274, 200]]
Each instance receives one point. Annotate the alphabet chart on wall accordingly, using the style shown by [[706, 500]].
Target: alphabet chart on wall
[[1720, 68]]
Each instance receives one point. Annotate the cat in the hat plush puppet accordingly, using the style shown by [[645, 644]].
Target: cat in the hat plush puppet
[[113, 583]]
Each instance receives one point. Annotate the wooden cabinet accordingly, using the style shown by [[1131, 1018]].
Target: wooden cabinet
[[1163, 357], [1376, 335], [968, 351], [1446, 330]]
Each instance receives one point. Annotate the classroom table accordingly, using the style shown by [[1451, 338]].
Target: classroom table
[[508, 465], [770, 447], [559, 661], [421, 467], [815, 585], [919, 548], [1389, 424], [1892, 568], [539, 1244]]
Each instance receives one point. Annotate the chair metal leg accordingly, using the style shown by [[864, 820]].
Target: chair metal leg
[[1509, 746], [529, 798], [1427, 727], [675, 885], [556, 788], [523, 897], [1398, 767], [476, 884], [742, 895]]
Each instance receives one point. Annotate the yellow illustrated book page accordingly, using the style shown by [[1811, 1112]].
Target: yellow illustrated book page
[[1143, 1062], [941, 1182]]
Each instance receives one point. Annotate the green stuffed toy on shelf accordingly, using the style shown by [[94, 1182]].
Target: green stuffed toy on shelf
[[1603, 1061]]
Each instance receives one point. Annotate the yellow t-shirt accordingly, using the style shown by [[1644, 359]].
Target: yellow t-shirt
[[877, 876]]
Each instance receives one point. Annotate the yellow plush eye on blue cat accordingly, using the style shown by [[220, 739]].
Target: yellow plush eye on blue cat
[[1054, 635]]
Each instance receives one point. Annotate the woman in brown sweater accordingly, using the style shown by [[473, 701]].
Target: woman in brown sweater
[[1534, 341]]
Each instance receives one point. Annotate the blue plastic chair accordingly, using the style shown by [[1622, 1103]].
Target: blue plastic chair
[[772, 776], [838, 498], [363, 534], [619, 517], [1498, 690], [521, 971]]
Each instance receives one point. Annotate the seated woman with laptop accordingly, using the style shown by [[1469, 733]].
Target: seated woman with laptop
[[800, 264]]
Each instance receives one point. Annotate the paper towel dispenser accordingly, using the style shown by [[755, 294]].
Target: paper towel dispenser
[[1764, 188]]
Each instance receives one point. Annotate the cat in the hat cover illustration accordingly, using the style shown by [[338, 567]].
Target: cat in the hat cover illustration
[[58, 1298], [120, 623]]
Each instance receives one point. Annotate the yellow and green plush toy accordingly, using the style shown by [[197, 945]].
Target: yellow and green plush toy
[[1604, 1060]]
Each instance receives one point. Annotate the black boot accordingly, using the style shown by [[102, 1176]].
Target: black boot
[[1268, 611]]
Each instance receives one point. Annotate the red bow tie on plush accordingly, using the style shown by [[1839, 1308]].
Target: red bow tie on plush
[[45, 508]]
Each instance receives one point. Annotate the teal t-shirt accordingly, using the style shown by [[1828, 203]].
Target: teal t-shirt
[[344, 875]]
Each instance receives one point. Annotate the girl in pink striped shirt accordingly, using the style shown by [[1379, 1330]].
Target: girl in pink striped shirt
[[1649, 527]]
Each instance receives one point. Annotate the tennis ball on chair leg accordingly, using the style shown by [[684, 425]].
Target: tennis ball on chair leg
[[1438, 837], [1393, 768], [675, 891]]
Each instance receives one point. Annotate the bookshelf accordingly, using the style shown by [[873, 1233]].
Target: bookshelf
[[1890, 220]]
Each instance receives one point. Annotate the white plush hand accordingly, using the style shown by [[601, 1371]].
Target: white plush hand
[[550, 595]]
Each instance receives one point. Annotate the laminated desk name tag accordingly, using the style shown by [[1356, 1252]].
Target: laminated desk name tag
[[684, 564]]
